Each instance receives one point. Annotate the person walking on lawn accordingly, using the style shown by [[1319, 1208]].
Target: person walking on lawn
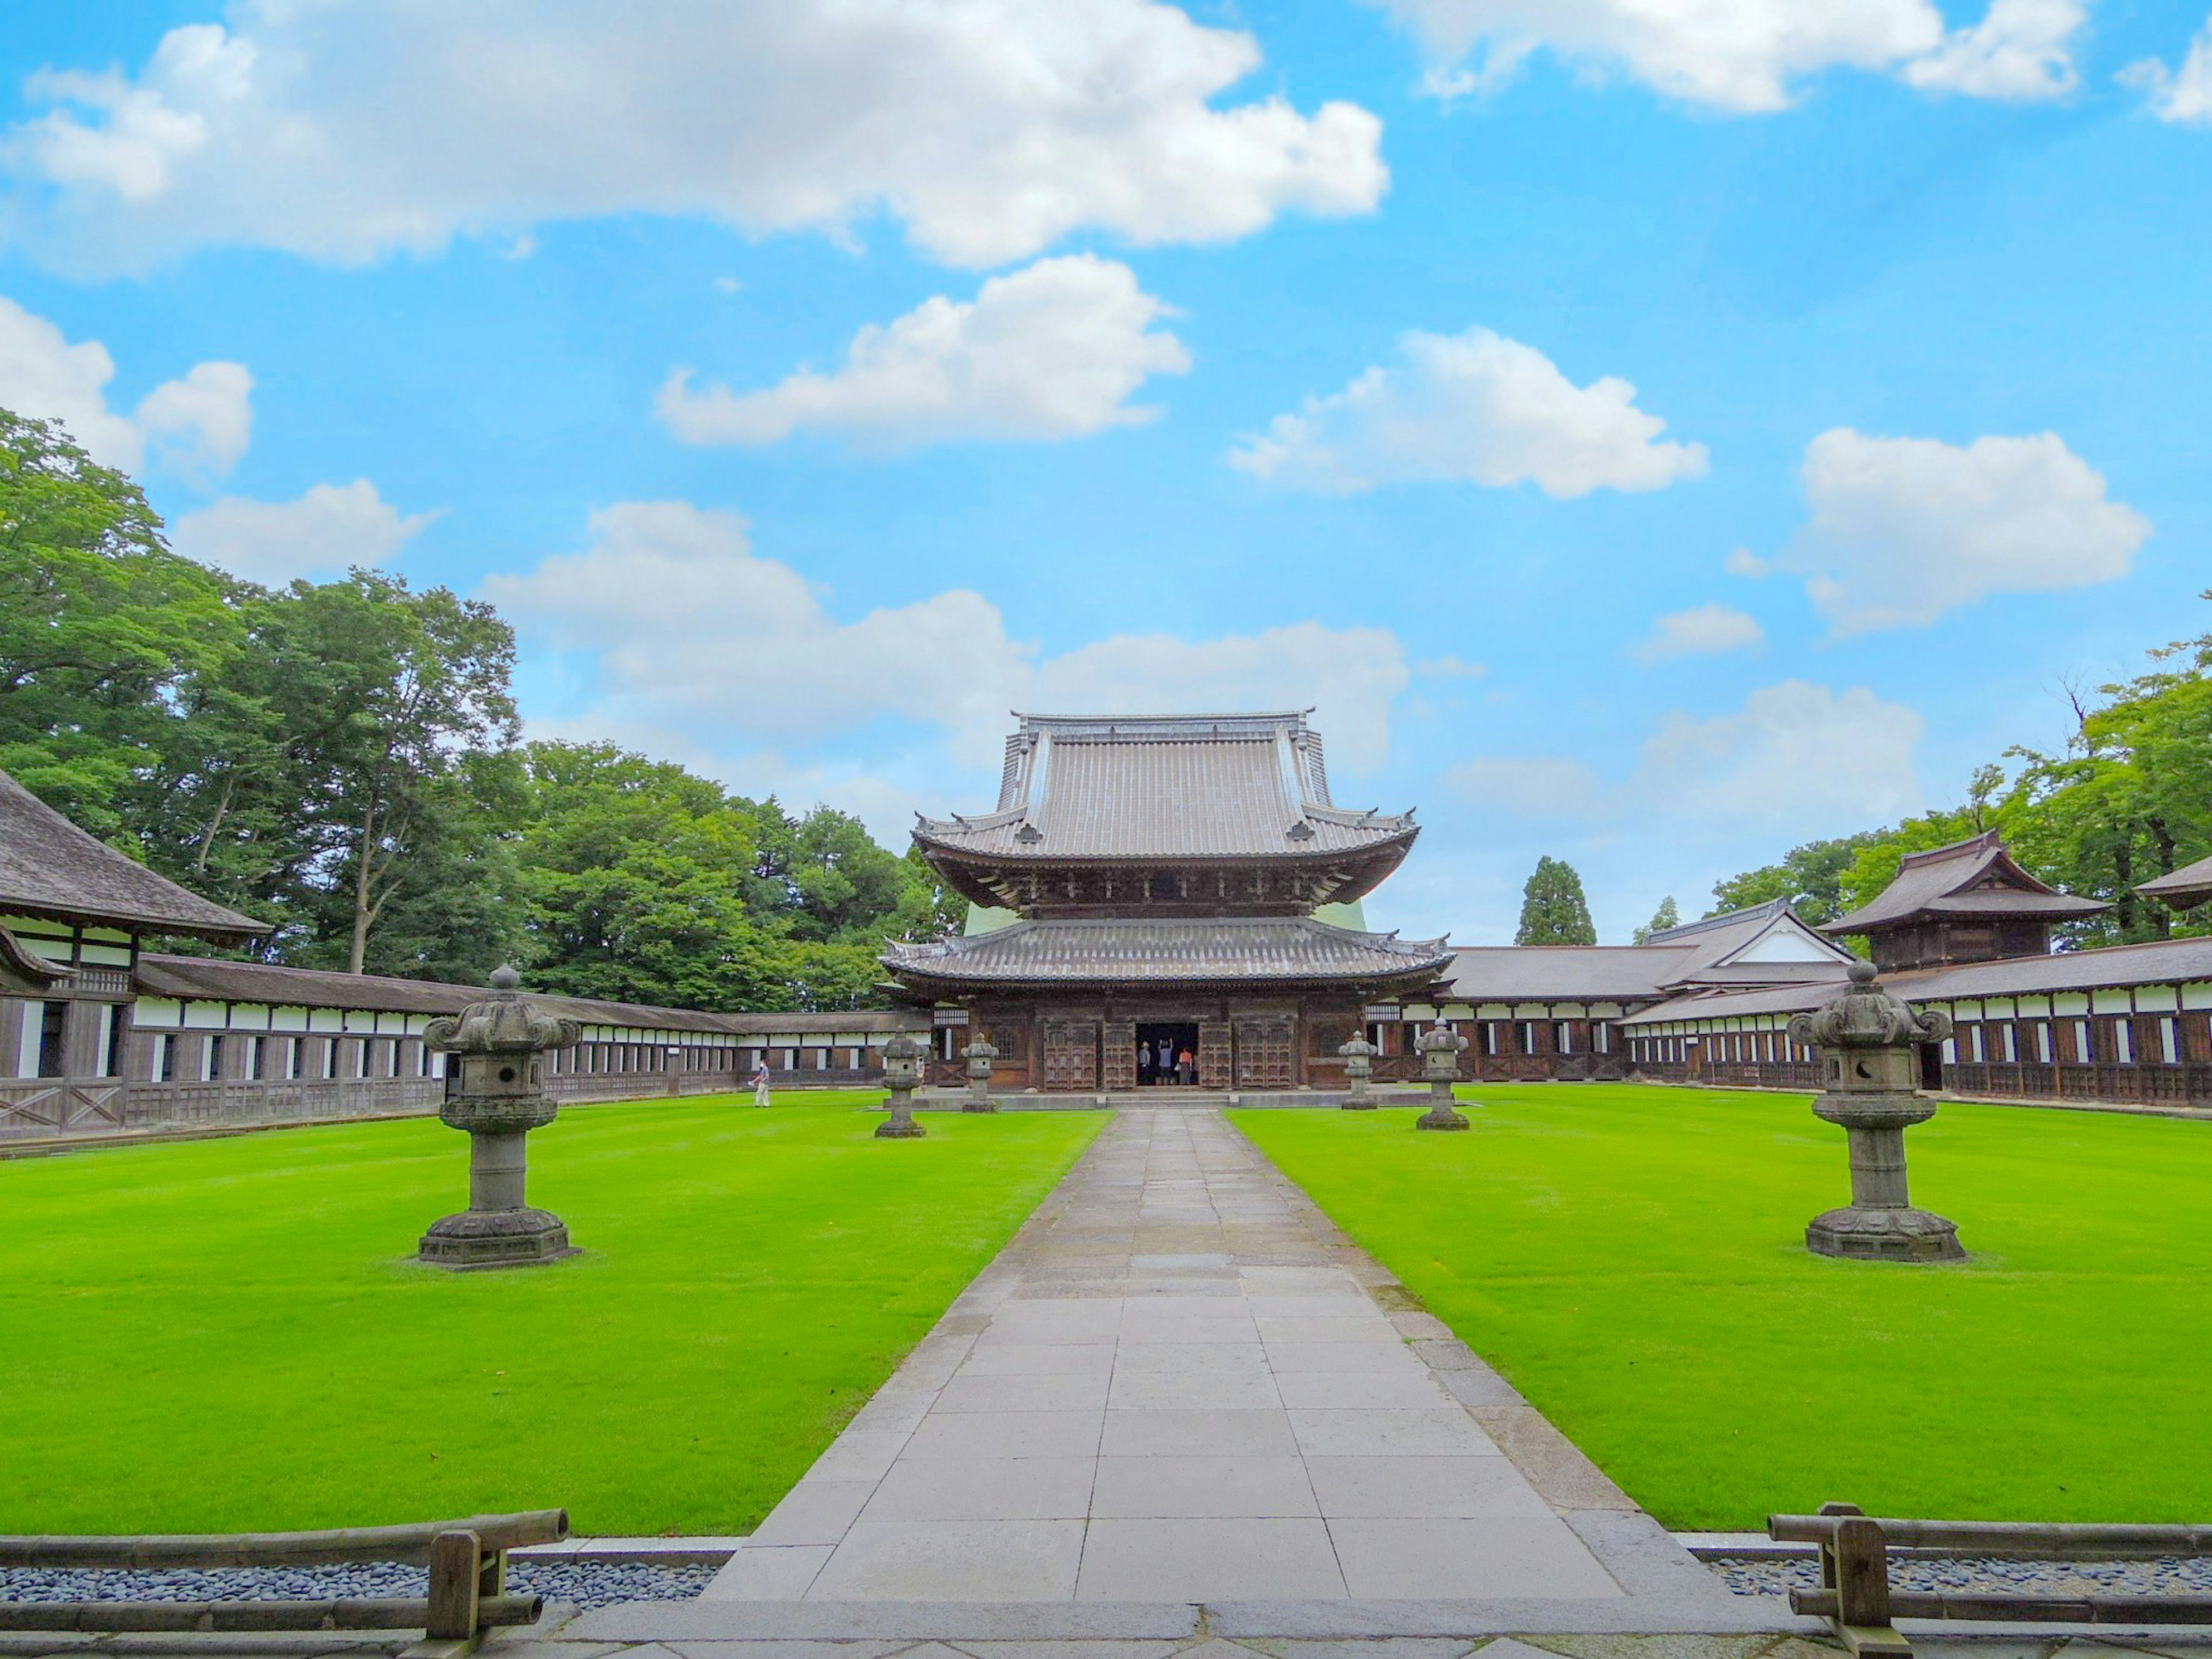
[[759, 1080]]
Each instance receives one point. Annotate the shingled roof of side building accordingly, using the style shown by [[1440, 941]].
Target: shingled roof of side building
[[1975, 877], [1241, 786], [51, 868], [2190, 886], [1765, 944]]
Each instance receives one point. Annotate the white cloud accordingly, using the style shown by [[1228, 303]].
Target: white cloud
[[1051, 351], [693, 633], [1708, 630], [2020, 50], [326, 531], [1476, 407], [198, 425], [1745, 56], [1529, 785], [1904, 529], [1797, 759], [1448, 667], [348, 129], [2184, 95]]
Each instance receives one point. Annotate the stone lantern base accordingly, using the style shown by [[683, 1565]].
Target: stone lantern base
[[979, 1103], [496, 1238], [1884, 1234], [900, 1128], [1442, 1114], [1359, 1103]]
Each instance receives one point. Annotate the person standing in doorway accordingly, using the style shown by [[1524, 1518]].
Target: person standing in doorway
[[1186, 1067], [759, 1080]]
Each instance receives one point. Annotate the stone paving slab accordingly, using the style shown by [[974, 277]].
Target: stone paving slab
[[1180, 1384]]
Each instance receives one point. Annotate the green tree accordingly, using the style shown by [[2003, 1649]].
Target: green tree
[[99, 621], [1810, 876], [388, 699], [1667, 915], [1553, 909]]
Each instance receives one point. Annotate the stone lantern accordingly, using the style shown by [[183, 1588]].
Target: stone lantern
[[1358, 1065], [979, 1054], [499, 1045], [902, 1075], [1869, 1043], [1440, 1047]]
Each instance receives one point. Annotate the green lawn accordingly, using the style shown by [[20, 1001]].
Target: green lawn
[[1632, 1258], [231, 1333]]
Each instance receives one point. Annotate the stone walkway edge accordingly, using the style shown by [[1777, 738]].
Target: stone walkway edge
[[1179, 1385]]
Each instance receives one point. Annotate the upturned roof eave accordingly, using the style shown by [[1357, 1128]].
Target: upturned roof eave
[[1402, 833]]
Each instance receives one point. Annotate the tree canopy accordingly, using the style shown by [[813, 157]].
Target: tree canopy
[[1553, 910], [1669, 914], [343, 760]]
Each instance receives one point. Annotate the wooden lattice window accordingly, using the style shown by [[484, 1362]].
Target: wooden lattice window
[[1213, 1054], [1071, 1055], [1263, 1054], [1120, 1067]]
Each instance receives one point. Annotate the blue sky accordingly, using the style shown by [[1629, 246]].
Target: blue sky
[[1651, 433]]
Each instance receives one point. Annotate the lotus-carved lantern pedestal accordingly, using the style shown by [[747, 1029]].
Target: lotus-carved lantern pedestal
[[1359, 1067], [1440, 1047], [499, 1045], [979, 1054], [902, 1076], [1869, 1044]]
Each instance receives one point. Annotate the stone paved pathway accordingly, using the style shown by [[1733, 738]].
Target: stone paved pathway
[[1178, 1384]]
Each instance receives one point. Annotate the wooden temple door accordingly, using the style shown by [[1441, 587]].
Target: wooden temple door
[[1263, 1053], [1071, 1054], [1120, 1068], [1213, 1054]]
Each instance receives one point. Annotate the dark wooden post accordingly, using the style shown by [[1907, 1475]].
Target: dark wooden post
[[1855, 1564], [454, 1587]]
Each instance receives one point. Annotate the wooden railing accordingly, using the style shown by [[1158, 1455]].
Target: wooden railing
[[1855, 1594], [467, 1591]]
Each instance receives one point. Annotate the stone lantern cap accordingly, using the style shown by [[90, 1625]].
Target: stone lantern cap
[[498, 1041], [1868, 1016], [904, 1045], [1869, 1043], [1359, 1049], [502, 1024], [1439, 1037], [981, 1048]]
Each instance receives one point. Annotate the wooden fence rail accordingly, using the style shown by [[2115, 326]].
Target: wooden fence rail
[[1855, 1597], [467, 1561]]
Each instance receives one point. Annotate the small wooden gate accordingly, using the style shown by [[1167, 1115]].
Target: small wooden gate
[[1071, 1054], [1213, 1054], [1263, 1053], [1120, 1068]]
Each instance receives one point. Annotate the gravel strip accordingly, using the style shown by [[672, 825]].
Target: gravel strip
[[2168, 1576], [585, 1583]]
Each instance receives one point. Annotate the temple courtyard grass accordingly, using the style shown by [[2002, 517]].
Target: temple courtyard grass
[[1632, 1259], [233, 1335]]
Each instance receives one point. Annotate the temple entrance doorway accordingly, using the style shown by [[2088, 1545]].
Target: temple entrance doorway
[[1159, 1044]]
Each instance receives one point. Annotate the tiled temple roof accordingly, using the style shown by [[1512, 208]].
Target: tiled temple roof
[[1184, 786], [1178, 951], [206, 979], [2189, 884], [2160, 962], [49, 867], [1972, 877]]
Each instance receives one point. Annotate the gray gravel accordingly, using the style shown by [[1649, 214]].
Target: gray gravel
[[2169, 1575], [586, 1583]]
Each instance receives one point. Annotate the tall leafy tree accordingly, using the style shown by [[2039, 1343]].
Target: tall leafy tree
[[99, 621], [1553, 910], [1667, 915], [1811, 876], [388, 698]]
